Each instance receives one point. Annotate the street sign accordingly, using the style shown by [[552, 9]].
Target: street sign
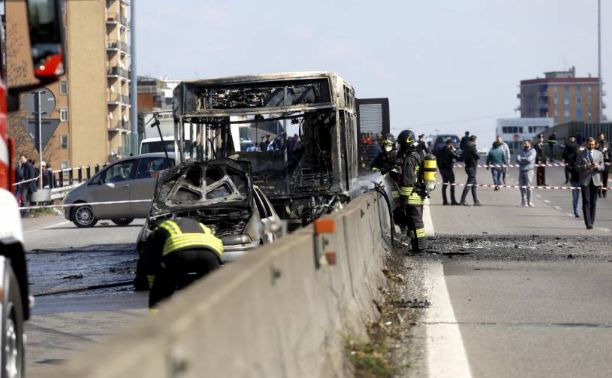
[[48, 127], [47, 101]]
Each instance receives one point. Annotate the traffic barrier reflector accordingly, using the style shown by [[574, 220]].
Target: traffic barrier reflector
[[324, 226], [331, 258]]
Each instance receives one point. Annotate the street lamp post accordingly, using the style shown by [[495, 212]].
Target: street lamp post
[[600, 81]]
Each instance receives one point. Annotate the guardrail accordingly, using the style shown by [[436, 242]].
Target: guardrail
[[64, 181], [279, 312]]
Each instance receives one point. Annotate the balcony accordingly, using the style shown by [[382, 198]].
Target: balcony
[[125, 99], [119, 126], [124, 21], [118, 72], [118, 46], [112, 17]]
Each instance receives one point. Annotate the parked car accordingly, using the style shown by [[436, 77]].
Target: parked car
[[218, 193], [129, 179], [440, 142]]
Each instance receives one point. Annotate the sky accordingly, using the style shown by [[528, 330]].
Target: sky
[[447, 66]]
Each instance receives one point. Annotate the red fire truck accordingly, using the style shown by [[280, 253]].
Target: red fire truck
[[45, 43]]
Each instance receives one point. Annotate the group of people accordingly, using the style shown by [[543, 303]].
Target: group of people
[[27, 178]]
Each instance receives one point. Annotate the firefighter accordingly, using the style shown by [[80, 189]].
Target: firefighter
[[177, 253], [386, 159], [413, 187]]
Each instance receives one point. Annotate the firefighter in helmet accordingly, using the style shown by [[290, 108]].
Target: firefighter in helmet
[[416, 179], [177, 253], [386, 159]]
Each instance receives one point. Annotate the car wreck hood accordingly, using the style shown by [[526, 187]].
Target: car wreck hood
[[219, 183]]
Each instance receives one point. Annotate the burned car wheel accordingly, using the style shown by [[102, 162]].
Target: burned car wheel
[[83, 216], [122, 221]]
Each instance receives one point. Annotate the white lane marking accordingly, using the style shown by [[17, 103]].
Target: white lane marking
[[546, 201], [48, 227], [539, 196], [569, 215], [429, 228], [603, 229], [557, 207], [446, 356]]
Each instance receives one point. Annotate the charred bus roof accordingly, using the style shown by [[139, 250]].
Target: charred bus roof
[[260, 94]]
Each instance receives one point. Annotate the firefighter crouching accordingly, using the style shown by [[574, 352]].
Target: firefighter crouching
[[416, 179], [177, 253]]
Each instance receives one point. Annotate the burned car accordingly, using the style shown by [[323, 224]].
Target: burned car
[[218, 193]]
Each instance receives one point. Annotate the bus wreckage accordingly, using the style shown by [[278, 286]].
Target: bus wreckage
[[298, 130]]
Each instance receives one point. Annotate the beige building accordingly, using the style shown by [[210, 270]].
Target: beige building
[[562, 96], [93, 99]]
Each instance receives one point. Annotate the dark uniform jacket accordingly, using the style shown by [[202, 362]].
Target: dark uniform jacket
[[470, 155], [446, 158], [384, 161], [411, 178], [540, 156], [198, 237]]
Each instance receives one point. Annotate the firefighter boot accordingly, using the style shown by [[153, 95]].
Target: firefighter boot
[[418, 245]]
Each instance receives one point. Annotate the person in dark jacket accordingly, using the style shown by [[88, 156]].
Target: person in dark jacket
[[177, 253], [27, 174], [470, 159], [465, 140], [49, 180], [385, 159], [446, 160], [540, 161], [568, 157]]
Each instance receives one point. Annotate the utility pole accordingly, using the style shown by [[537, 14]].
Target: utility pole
[[133, 80], [600, 99]]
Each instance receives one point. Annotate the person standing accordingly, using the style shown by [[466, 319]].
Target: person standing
[[422, 145], [571, 173], [470, 159], [386, 159], [526, 160], [590, 164], [604, 147], [568, 157], [464, 140], [540, 161], [49, 181], [27, 173], [446, 160], [412, 189], [178, 252], [552, 140], [496, 160], [506, 150]]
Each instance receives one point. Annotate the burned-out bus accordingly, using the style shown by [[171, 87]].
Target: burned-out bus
[[298, 130]]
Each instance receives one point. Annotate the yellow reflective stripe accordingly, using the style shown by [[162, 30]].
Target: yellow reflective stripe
[[206, 229], [395, 194], [171, 226], [420, 232], [406, 190], [430, 164], [193, 240], [151, 280]]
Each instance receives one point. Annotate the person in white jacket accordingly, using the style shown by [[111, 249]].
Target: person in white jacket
[[526, 162]]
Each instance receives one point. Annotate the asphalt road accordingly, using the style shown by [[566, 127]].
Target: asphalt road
[[66, 260], [515, 292], [514, 305]]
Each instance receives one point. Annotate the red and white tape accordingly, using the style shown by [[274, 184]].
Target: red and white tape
[[517, 186], [515, 165]]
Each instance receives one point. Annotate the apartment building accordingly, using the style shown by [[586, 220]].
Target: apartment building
[[562, 96], [93, 99]]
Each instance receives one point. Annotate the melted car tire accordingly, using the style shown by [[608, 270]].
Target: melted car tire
[[75, 215], [122, 221], [13, 356]]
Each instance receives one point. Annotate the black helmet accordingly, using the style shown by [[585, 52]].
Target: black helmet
[[406, 139], [389, 140]]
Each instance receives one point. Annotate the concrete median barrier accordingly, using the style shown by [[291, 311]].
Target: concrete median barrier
[[272, 313]]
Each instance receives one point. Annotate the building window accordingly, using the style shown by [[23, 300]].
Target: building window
[[64, 164], [64, 141], [63, 87], [566, 113], [64, 115]]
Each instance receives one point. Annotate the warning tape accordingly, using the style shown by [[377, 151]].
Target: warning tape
[[517, 165], [81, 204], [541, 187]]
